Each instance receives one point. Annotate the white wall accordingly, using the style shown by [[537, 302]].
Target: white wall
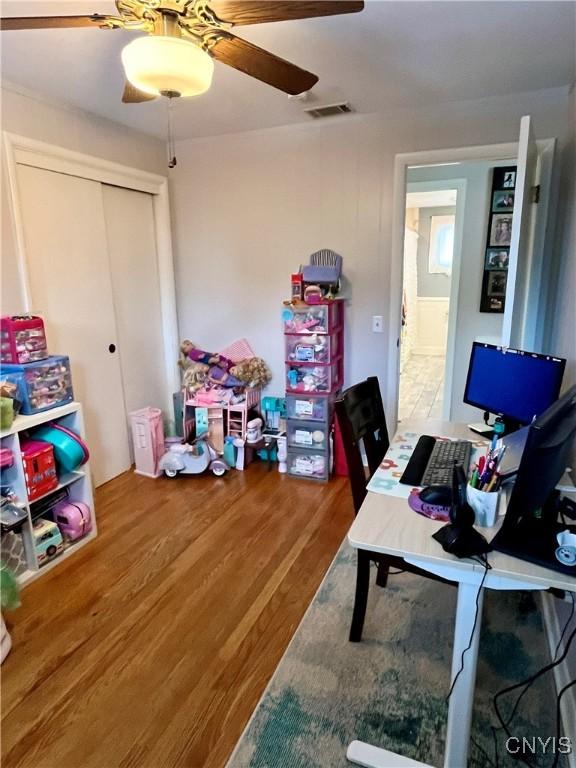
[[28, 115], [249, 208]]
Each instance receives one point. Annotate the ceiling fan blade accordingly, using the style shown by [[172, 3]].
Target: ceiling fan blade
[[49, 22], [132, 95], [262, 65], [262, 11]]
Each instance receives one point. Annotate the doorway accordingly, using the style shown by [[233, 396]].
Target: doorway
[[525, 321], [430, 226]]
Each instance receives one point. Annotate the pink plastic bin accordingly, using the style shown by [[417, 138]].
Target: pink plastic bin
[[148, 440], [23, 339]]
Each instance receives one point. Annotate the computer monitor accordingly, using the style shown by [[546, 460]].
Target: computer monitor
[[530, 525], [511, 383]]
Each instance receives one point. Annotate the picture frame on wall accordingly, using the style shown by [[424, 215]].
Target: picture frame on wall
[[496, 258], [503, 201], [496, 305], [498, 237], [496, 284], [509, 181], [501, 229]]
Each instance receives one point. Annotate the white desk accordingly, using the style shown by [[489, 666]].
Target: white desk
[[386, 524]]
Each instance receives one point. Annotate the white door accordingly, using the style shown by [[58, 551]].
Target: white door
[[517, 307], [69, 276], [131, 239]]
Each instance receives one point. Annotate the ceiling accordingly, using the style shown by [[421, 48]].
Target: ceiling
[[391, 55]]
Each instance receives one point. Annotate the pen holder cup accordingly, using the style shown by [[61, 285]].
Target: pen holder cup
[[485, 506]]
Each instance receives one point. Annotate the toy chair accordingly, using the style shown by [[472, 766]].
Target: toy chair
[[325, 268]]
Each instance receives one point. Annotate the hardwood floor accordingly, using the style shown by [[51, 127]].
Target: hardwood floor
[[151, 647]]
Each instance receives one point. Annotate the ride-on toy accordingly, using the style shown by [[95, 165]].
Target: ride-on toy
[[191, 459]]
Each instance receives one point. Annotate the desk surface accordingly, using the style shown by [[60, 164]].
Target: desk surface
[[387, 524]]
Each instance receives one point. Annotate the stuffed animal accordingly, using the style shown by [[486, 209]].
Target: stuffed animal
[[195, 376], [252, 372]]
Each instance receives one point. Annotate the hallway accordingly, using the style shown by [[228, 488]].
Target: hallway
[[421, 387]]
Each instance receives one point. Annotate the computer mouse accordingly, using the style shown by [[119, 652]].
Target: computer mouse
[[439, 495]]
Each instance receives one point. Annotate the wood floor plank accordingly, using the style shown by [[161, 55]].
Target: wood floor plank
[[152, 646]]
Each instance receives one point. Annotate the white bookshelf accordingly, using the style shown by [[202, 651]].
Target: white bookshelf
[[79, 483]]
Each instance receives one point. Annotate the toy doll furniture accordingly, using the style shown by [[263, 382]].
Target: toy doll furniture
[[325, 268], [234, 416], [361, 419], [314, 350]]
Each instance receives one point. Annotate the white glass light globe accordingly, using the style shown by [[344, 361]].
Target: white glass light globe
[[157, 63]]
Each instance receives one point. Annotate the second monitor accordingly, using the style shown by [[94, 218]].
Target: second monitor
[[515, 385]]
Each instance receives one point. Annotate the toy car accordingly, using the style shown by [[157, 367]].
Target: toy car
[[192, 459], [48, 541]]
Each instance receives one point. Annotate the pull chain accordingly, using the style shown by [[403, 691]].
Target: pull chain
[[171, 145]]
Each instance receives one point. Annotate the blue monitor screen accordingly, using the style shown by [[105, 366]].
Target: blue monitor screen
[[512, 383]]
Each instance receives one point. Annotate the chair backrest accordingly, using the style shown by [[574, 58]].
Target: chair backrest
[[361, 418]]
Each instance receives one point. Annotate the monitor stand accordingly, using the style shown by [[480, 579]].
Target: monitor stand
[[482, 429], [502, 426]]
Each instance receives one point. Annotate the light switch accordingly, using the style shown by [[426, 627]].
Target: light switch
[[377, 324]]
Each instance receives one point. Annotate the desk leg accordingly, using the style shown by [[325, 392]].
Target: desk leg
[[462, 698]]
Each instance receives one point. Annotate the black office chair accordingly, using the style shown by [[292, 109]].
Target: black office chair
[[361, 419]]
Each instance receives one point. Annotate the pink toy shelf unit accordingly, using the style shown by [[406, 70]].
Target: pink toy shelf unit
[[313, 358], [148, 440], [23, 339]]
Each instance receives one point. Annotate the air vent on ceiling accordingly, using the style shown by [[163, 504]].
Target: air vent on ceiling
[[329, 110]]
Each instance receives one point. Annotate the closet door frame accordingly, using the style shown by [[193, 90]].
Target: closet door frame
[[20, 150]]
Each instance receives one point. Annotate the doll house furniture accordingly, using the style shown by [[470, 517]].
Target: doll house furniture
[[325, 268], [313, 358], [227, 419]]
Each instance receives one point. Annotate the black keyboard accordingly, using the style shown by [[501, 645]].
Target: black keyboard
[[432, 461]]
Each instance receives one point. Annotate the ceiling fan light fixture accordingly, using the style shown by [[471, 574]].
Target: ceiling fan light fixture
[[157, 64]]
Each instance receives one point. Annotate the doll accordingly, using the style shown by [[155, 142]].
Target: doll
[[222, 377], [252, 372], [189, 351], [195, 376]]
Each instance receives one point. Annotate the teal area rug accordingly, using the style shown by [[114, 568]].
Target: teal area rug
[[389, 690]]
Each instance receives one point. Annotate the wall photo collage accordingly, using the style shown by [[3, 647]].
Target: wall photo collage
[[498, 239]]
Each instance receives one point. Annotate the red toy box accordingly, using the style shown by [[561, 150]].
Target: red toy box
[[39, 468], [23, 339]]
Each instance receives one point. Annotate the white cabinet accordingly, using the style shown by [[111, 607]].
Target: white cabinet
[[78, 484]]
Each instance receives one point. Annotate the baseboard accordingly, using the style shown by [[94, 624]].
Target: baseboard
[[555, 613]]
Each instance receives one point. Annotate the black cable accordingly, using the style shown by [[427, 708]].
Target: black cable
[[559, 720], [487, 567], [566, 625], [528, 682], [485, 754]]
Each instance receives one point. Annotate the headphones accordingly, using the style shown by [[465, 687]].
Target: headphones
[[459, 537]]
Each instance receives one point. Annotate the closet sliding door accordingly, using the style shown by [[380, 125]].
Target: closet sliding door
[[70, 284], [129, 218]]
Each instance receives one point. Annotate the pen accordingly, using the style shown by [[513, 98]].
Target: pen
[[495, 476]]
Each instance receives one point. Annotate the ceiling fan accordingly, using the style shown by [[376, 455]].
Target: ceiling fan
[[174, 57]]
